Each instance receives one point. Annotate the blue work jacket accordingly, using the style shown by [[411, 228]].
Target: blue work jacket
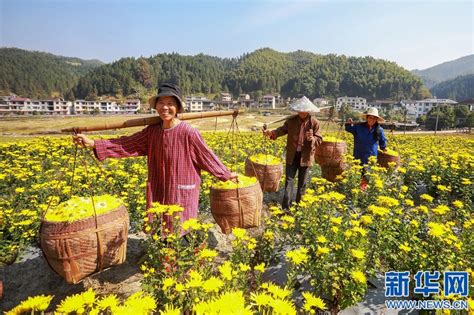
[[365, 142]]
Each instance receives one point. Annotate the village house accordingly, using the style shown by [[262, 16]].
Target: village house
[[320, 102], [14, 105], [268, 101], [356, 103]]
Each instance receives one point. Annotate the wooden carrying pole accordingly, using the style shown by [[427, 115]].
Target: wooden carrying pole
[[151, 121]]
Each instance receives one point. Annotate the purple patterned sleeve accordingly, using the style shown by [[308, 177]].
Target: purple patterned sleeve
[[134, 145], [205, 159]]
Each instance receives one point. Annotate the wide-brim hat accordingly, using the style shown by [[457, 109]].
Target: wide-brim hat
[[168, 89], [304, 105], [372, 111]]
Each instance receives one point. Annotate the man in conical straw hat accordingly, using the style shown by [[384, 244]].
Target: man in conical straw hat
[[367, 137], [303, 137]]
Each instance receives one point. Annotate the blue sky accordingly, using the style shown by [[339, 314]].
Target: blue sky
[[415, 34]]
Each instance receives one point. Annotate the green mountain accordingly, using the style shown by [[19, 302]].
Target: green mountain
[[459, 89], [39, 74], [257, 73], [446, 71]]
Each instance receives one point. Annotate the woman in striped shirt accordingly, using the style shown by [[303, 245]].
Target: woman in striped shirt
[[176, 154]]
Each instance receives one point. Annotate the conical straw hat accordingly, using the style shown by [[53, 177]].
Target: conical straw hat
[[304, 105]]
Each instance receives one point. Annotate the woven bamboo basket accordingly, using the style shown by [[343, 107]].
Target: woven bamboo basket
[[331, 172], [267, 175], [383, 159], [330, 153], [78, 249], [240, 207]]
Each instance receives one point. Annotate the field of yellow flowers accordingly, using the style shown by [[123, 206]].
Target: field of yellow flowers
[[418, 216]]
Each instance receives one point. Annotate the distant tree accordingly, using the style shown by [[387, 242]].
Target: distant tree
[[470, 121], [421, 120], [69, 96], [445, 116], [347, 112], [461, 113]]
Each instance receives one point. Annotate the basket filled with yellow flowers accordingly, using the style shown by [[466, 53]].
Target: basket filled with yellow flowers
[[82, 236], [237, 204], [267, 168]]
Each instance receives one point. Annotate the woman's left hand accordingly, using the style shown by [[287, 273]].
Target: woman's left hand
[[234, 177]]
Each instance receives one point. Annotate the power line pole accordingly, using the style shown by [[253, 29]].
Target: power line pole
[[437, 118]]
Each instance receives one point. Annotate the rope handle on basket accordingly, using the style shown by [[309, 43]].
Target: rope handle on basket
[[394, 139], [97, 230], [337, 137], [100, 255], [56, 188]]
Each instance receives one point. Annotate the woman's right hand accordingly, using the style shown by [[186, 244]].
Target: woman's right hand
[[349, 121], [267, 133], [83, 141]]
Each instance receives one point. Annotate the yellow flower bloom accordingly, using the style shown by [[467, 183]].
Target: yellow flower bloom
[[458, 204], [322, 250], [207, 253], [226, 270], [179, 287], [441, 209], [359, 276], [239, 233], [336, 220], [436, 229], [312, 301], [357, 254], [380, 211], [404, 247], [260, 267], [298, 256], [212, 284], [426, 197], [168, 283], [321, 239], [366, 219]]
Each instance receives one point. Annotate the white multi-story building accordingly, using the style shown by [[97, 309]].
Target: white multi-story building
[[26, 106], [225, 97], [268, 101], [244, 97], [86, 107], [109, 107], [130, 106], [195, 103], [424, 106], [410, 106], [320, 102], [12, 105], [356, 103], [245, 101]]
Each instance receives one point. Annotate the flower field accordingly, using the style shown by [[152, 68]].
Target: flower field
[[416, 217]]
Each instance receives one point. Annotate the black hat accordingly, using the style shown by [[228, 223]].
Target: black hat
[[168, 89]]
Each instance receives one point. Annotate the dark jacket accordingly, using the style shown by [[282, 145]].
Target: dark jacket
[[292, 129]]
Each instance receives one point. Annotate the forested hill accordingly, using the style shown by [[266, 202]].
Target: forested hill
[[263, 71], [39, 74], [446, 71], [260, 72], [459, 89]]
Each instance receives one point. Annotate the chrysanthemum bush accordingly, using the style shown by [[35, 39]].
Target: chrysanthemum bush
[[339, 234], [418, 216], [185, 275]]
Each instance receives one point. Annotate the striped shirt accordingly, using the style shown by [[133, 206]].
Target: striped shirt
[[175, 158]]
